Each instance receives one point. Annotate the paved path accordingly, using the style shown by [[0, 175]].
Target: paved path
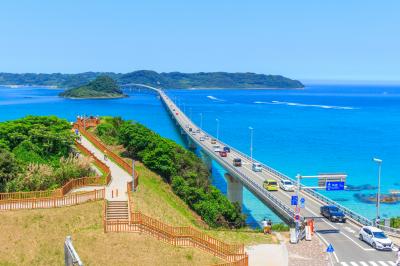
[[117, 188]]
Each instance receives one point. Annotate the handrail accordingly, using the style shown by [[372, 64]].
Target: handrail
[[52, 202], [179, 235]]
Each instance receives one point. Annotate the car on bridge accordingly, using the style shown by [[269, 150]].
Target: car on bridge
[[270, 185], [286, 185], [237, 162], [217, 148], [227, 149], [333, 213], [198, 131], [202, 138], [376, 238], [223, 153], [213, 141], [256, 167]]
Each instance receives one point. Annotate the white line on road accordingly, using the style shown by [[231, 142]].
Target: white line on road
[[344, 263], [382, 263], [348, 229], [373, 263], [353, 263], [363, 263]]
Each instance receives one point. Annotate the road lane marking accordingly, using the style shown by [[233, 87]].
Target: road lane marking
[[382, 263], [373, 263], [344, 263], [348, 229], [363, 263], [353, 263], [392, 263]]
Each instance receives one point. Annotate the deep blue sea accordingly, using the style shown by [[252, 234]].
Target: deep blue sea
[[323, 128]]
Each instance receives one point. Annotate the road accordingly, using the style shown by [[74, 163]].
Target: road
[[349, 250]]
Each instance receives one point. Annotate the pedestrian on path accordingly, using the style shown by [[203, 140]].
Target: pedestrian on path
[[264, 224], [105, 155]]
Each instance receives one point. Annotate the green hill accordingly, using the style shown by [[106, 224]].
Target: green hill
[[175, 80], [101, 87]]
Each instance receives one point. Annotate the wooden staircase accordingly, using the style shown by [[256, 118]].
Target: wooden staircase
[[117, 211]]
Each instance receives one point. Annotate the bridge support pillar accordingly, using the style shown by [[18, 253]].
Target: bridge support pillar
[[206, 159], [191, 143], [234, 189]]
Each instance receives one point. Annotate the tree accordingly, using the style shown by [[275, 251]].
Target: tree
[[8, 167]]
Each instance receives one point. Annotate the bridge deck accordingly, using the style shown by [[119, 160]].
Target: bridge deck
[[343, 237]]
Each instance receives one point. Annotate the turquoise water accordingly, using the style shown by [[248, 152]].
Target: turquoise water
[[323, 128]]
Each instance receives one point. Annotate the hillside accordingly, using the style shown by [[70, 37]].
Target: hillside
[[101, 87], [176, 80], [35, 237]]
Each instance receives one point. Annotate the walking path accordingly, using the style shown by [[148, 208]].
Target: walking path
[[116, 190]]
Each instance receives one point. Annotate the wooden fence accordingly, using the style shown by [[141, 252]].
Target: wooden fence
[[179, 236], [52, 202]]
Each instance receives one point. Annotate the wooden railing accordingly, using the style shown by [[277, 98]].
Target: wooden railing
[[52, 202], [112, 155], [179, 236]]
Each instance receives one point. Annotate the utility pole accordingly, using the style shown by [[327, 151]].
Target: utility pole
[[217, 127], [251, 144], [378, 196]]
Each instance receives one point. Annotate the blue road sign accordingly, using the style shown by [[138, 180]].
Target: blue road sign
[[302, 202], [334, 186], [330, 249], [294, 200]]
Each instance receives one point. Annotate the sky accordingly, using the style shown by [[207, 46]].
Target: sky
[[307, 40]]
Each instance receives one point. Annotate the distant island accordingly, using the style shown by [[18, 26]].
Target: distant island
[[101, 87], [172, 80]]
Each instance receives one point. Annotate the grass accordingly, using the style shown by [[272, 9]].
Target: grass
[[36, 237]]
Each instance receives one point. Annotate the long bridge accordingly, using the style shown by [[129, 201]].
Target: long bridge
[[348, 249]]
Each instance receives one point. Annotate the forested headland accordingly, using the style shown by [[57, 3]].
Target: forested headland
[[174, 80]]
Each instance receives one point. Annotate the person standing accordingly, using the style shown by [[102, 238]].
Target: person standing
[[264, 224]]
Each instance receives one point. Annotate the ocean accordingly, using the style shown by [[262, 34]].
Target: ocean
[[320, 129]]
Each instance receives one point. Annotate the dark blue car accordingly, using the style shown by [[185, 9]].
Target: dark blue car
[[227, 149], [333, 213]]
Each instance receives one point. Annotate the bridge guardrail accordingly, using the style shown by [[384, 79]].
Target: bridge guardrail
[[289, 212], [353, 215]]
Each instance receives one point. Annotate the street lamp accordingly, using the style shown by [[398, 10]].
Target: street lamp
[[201, 120], [217, 127], [251, 144], [378, 197]]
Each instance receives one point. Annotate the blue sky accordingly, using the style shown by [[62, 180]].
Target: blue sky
[[308, 40]]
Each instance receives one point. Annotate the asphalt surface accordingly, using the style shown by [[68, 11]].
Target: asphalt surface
[[348, 249]]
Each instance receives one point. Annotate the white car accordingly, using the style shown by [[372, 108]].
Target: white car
[[256, 167], [202, 138], [286, 185], [198, 131], [375, 237], [217, 148]]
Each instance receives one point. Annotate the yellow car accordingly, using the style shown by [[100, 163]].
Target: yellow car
[[270, 185]]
